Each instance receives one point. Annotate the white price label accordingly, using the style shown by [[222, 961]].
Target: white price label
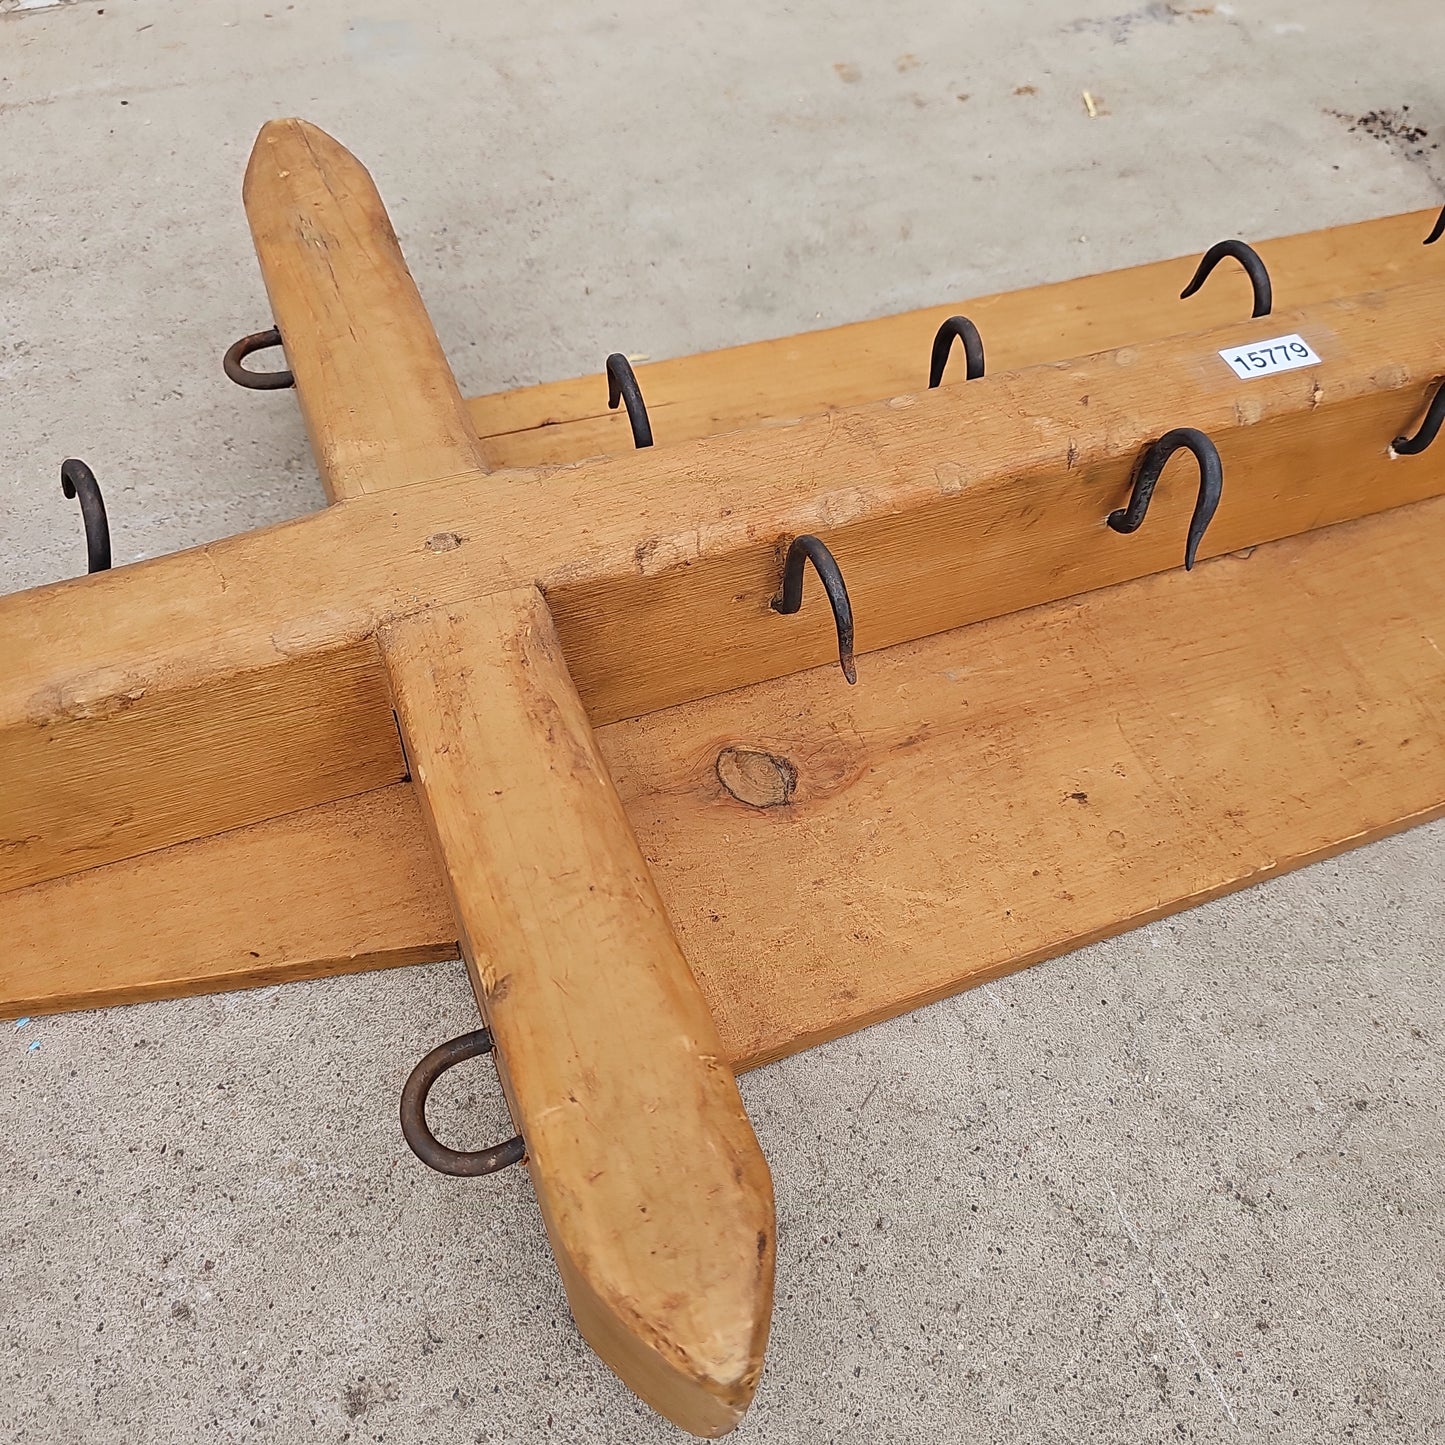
[[1266, 358]]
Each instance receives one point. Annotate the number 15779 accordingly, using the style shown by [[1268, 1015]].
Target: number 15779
[[1265, 358]]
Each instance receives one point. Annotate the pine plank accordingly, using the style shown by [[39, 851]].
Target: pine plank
[[340, 888], [655, 1194], [846, 366], [983, 799], [1005, 793]]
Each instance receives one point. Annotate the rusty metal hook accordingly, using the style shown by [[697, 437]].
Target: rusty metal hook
[[622, 386], [1254, 268], [962, 329], [1429, 428], [1438, 231], [465, 1164], [256, 380], [1146, 477], [78, 481], [790, 596]]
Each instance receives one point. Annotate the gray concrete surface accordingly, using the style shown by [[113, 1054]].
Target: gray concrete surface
[[1185, 1185]]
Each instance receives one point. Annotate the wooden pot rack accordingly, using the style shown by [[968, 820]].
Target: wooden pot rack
[[521, 691]]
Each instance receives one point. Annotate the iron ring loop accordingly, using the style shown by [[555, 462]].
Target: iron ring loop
[[464, 1164], [256, 380]]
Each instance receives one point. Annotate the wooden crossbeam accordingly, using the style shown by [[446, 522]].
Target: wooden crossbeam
[[846, 366], [943, 509], [654, 1191], [380, 403]]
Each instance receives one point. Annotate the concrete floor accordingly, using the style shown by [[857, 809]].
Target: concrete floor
[[1182, 1185]]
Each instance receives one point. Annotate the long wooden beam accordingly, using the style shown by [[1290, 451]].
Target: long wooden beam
[[655, 1194], [952, 818], [225, 727], [377, 402], [847, 366], [942, 509], [380, 403]]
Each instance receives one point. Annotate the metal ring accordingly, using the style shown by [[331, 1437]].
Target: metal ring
[[962, 329], [464, 1164], [78, 481], [622, 387], [1254, 268], [1146, 477], [256, 380], [1406, 446], [790, 595]]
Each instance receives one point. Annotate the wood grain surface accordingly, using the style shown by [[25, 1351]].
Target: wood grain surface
[[830, 856], [655, 1193], [379, 400], [659, 567]]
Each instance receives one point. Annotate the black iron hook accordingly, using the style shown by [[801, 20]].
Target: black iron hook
[[790, 597], [1429, 428], [962, 329], [256, 380], [1146, 477], [1254, 268], [1438, 231], [77, 480], [622, 386], [468, 1164]]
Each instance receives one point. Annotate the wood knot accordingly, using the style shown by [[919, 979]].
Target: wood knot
[[761, 780]]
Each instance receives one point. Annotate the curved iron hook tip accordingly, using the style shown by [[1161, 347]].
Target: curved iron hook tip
[[1429, 428], [1146, 477], [622, 386], [464, 1164], [790, 596], [1438, 231], [962, 329], [77, 480], [255, 380], [1254, 268]]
